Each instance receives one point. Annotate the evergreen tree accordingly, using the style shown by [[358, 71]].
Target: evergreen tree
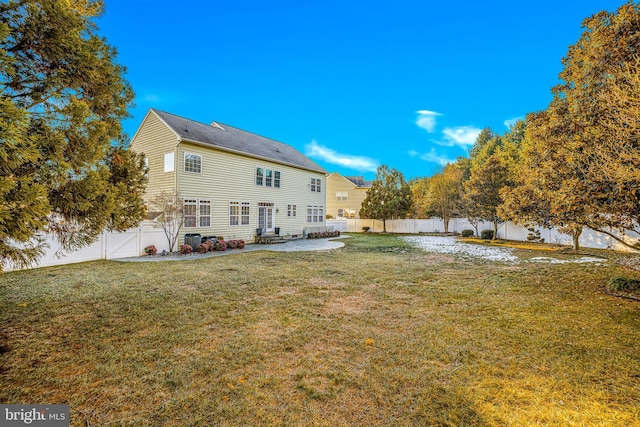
[[63, 161], [389, 197]]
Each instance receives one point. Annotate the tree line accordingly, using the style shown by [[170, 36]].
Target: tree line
[[575, 164]]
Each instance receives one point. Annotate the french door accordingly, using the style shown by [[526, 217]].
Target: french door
[[265, 217]]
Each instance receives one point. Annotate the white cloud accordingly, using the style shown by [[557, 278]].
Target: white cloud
[[462, 136], [434, 157], [359, 163], [511, 122], [427, 120]]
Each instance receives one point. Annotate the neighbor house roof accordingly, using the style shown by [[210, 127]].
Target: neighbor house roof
[[359, 181], [228, 138]]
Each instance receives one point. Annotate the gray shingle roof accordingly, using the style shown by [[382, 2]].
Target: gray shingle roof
[[359, 181], [227, 137]]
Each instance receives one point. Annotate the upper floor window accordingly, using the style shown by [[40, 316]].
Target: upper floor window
[[341, 195], [192, 162], [169, 162], [267, 177], [316, 185], [291, 210]]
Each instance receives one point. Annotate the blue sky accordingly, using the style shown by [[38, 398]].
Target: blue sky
[[352, 84]]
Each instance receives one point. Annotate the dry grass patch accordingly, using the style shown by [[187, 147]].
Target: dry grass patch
[[376, 333]]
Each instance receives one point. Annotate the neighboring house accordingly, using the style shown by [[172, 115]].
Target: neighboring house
[[345, 195], [232, 182]]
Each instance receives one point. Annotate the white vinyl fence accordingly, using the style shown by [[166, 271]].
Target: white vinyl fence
[[132, 242], [506, 230], [110, 245]]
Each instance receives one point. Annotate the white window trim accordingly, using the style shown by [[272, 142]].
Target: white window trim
[[200, 216], [184, 164], [272, 178], [241, 218]]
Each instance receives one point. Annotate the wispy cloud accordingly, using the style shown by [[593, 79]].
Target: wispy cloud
[[432, 156], [359, 163], [511, 122], [427, 120], [463, 136]]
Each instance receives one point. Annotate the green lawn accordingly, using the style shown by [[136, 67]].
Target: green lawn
[[375, 333]]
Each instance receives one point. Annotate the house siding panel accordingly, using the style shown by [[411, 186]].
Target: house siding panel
[[154, 140], [226, 177], [355, 195]]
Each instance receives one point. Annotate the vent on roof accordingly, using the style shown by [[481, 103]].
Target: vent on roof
[[216, 125]]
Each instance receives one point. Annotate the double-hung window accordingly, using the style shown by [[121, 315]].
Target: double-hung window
[[192, 163], [190, 211], [316, 185], [341, 195], [291, 210], [204, 208], [276, 179], [269, 178], [259, 176], [239, 213], [315, 213]]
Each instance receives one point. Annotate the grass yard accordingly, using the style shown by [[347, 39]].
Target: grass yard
[[375, 333]]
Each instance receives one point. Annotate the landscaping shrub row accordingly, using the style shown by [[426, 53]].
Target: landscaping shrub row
[[208, 246], [323, 234]]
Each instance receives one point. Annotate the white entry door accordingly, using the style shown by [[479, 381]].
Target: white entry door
[[265, 217]]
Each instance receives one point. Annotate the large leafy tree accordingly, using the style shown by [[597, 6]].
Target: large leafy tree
[[389, 197], [585, 154], [64, 167], [445, 193], [545, 180]]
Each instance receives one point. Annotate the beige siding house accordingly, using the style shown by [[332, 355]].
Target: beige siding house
[[232, 182], [345, 195]]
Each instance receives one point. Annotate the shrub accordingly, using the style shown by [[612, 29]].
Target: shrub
[[232, 244], [486, 234], [623, 284], [467, 233], [220, 238], [220, 245], [241, 244], [150, 250], [209, 245], [202, 248], [365, 229], [185, 249]]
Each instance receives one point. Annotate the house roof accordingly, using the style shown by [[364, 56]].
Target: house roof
[[359, 181], [225, 137]]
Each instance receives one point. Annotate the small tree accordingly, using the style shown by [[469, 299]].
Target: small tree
[[168, 209], [445, 193], [389, 197]]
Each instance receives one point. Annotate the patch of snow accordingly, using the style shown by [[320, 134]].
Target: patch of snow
[[584, 259], [450, 245]]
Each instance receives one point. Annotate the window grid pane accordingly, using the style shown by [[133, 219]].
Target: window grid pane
[[245, 213], [259, 175], [192, 163], [189, 213], [276, 179], [205, 213], [233, 213]]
